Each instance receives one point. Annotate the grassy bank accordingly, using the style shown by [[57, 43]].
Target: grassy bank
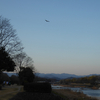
[[86, 85], [55, 95], [22, 95], [68, 94], [9, 92]]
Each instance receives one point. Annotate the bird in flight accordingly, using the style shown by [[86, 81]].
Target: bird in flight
[[47, 21]]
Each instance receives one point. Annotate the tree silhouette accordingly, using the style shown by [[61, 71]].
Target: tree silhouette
[[26, 75], [8, 38], [6, 62], [14, 79], [23, 60]]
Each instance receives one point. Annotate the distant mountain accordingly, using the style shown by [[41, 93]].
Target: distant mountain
[[61, 76], [11, 73], [55, 76]]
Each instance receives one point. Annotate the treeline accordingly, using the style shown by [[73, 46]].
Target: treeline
[[91, 79], [50, 80], [13, 79], [23, 78]]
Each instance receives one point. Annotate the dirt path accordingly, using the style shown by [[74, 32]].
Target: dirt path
[[19, 87]]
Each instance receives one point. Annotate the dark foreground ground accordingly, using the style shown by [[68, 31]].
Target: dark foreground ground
[[36, 96]]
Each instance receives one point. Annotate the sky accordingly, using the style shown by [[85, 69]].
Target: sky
[[69, 43]]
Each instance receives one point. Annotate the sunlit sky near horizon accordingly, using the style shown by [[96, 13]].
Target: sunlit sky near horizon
[[69, 43]]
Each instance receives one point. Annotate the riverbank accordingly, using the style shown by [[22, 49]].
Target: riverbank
[[36, 96], [8, 92], [55, 95], [17, 93], [78, 85], [68, 94], [92, 92]]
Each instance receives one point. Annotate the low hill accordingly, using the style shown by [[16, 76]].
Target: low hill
[[54, 76]]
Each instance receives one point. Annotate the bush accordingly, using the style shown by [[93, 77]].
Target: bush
[[38, 87]]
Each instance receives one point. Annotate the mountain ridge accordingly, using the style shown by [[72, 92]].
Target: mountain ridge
[[54, 75], [61, 76]]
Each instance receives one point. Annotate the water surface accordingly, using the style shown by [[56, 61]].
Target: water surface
[[87, 91]]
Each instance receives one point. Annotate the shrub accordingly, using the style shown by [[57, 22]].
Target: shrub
[[38, 87]]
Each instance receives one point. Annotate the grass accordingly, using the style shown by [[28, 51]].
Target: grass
[[7, 90], [68, 94], [61, 95], [5, 96], [8, 96]]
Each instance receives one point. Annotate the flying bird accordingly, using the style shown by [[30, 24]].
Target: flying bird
[[46, 20]]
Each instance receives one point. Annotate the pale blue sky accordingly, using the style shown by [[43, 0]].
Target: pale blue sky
[[69, 43]]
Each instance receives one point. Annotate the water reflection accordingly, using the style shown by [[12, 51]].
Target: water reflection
[[87, 91]]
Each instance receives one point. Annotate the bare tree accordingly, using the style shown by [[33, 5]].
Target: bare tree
[[22, 61], [8, 38], [12, 45]]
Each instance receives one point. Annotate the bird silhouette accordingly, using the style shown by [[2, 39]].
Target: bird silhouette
[[47, 21]]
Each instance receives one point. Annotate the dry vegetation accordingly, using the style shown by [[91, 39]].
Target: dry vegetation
[[22, 95], [7, 90], [56, 94], [71, 95], [8, 96], [7, 93]]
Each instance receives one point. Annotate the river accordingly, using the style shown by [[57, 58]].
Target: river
[[87, 91]]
